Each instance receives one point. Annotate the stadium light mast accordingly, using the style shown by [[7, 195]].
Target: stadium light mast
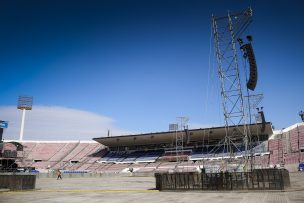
[[24, 103]]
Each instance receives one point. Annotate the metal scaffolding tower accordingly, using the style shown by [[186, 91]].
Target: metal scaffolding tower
[[251, 104], [179, 137], [226, 31]]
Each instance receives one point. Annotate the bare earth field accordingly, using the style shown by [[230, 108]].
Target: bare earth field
[[140, 189]]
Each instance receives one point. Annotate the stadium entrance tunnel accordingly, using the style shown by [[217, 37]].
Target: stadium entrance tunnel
[[258, 179]]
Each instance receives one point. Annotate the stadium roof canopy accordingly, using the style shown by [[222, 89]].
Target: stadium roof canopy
[[213, 134]]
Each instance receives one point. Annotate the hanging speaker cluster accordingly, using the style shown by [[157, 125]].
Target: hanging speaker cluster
[[301, 114], [253, 76], [3, 124], [1, 132], [248, 53], [263, 120]]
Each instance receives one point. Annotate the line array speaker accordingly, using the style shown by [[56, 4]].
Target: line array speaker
[[253, 76]]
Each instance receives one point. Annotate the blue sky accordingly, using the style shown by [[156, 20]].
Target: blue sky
[[142, 63]]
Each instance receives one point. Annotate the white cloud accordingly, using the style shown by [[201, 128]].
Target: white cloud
[[57, 123]]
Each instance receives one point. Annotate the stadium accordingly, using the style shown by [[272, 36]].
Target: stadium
[[155, 152], [241, 161], [134, 159]]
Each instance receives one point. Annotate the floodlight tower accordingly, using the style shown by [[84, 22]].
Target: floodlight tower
[[24, 103], [226, 31]]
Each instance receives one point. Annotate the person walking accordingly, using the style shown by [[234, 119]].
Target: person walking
[[59, 175]]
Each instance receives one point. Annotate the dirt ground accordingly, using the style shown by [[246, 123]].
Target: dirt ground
[[141, 190]]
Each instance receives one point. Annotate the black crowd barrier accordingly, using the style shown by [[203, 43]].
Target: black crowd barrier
[[260, 179], [17, 181]]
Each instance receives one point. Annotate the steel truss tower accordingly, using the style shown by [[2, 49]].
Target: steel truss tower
[[179, 137], [251, 104], [226, 31]]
